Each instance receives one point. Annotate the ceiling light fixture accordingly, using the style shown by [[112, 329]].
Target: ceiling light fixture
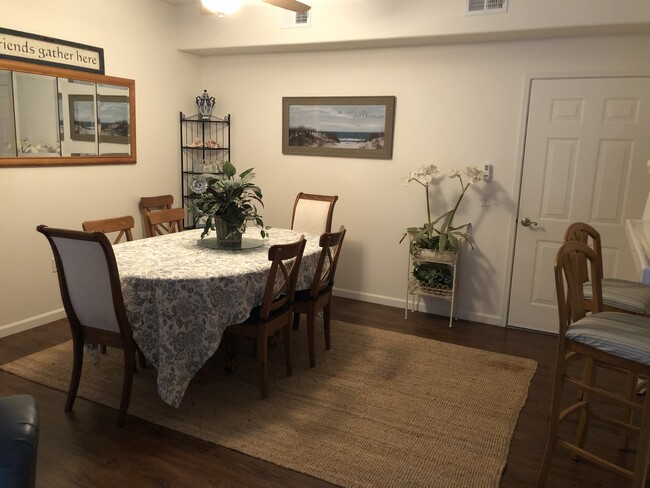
[[221, 7]]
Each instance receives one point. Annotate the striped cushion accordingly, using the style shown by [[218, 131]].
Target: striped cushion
[[621, 334], [627, 295]]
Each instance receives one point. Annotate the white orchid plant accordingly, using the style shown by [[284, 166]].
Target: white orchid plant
[[445, 236]]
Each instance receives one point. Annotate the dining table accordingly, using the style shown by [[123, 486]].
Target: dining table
[[182, 291]]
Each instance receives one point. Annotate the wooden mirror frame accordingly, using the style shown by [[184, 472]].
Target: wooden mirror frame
[[38, 69]]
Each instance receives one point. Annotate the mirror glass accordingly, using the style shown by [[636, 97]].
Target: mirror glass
[[36, 115], [7, 132], [114, 120], [77, 117], [56, 116]]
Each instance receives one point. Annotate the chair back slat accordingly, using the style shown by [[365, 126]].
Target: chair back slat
[[313, 213], [282, 277], [165, 221], [331, 244], [585, 233], [150, 204], [570, 261], [122, 225]]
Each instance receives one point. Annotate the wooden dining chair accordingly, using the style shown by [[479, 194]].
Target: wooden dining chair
[[167, 221], [618, 295], [274, 314], [92, 298], [313, 213], [150, 204], [319, 296], [122, 225], [618, 340]]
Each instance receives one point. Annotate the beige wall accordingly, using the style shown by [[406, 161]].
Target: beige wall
[[139, 43], [457, 104]]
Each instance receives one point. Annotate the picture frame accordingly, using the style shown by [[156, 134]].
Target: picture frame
[[352, 127], [82, 117], [113, 119], [59, 101]]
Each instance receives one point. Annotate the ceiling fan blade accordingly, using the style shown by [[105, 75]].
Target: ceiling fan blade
[[294, 5]]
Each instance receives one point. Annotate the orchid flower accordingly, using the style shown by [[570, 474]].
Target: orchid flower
[[448, 235]]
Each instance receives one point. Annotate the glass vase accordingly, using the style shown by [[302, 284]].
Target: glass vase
[[227, 236]]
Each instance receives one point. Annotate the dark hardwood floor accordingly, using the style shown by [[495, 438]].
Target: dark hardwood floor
[[85, 448]]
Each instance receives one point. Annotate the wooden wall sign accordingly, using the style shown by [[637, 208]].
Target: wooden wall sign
[[33, 48]]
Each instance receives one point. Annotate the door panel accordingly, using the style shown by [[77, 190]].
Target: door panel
[[585, 160]]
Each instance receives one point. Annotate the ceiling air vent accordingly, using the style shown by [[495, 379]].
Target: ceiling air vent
[[296, 19], [475, 7]]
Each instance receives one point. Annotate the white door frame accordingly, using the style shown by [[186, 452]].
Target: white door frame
[[519, 169]]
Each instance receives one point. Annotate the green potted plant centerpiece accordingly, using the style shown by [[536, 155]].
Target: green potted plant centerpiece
[[226, 203], [437, 241]]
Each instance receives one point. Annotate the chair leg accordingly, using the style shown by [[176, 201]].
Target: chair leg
[[77, 365], [643, 448], [127, 384], [311, 316], [296, 321], [326, 325], [588, 378], [286, 335], [262, 356], [230, 346], [628, 413], [554, 417], [141, 359]]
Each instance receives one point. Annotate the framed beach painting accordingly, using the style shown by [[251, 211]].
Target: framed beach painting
[[352, 127], [82, 117], [113, 119]]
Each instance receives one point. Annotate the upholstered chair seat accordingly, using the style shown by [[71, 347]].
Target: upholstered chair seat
[[621, 334], [19, 431], [623, 295]]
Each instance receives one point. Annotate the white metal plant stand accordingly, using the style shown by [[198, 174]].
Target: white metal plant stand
[[416, 288]]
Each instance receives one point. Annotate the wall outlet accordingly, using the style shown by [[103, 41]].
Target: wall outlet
[[53, 266], [487, 173]]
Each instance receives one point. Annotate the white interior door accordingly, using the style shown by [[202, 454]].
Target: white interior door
[[587, 143]]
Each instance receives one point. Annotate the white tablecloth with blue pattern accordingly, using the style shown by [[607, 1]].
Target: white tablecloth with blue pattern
[[180, 297]]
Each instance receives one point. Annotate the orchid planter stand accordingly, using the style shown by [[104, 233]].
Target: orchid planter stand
[[416, 288]]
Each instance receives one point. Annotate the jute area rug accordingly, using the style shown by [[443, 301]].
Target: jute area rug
[[380, 408]]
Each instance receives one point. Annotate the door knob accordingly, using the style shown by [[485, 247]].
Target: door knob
[[527, 222]]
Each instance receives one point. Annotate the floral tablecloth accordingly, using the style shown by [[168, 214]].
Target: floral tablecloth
[[180, 297]]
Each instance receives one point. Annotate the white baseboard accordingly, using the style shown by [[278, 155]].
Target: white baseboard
[[30, 323], [426, 306]]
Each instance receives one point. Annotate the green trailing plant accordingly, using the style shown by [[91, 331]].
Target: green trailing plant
[[228, 197], [433, 275]]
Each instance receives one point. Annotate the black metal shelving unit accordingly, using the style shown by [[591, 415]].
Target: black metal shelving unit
[[205, 145]]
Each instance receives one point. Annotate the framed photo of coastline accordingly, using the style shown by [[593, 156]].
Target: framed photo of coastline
[[113, 119], [82, 117], [352, 127]]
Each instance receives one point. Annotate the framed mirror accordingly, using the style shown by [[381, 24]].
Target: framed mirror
[[55, 116]]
